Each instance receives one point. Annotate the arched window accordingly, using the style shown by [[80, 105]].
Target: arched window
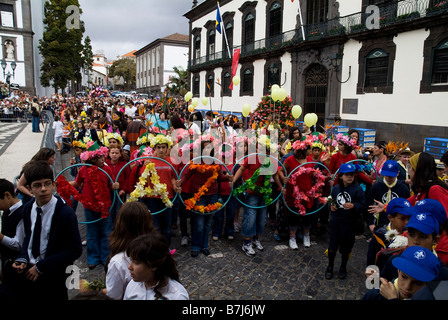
[[229, 34], [248, 81], [211, 44], [273, 75], [197, 47], [196, 82], [317, 11], [209, 85], [376, 69], [275, 19], [249, 29], [226, 79], [440, 64]]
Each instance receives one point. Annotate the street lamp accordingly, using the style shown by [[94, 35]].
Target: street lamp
[[8, 75], [336, 62]]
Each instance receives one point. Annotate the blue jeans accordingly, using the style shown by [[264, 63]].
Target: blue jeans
[[97, 237], [218, 219], [254, 220], [162, 220], [35, 123], [202, 224]]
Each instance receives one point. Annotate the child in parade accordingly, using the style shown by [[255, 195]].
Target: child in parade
[[96, 188], [349, 202], [153, 271]]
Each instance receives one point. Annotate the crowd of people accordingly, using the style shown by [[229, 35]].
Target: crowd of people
[[143, 168]]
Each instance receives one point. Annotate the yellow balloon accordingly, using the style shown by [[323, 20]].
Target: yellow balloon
[[308, 120], [195, 102], [246, 109], [296, 111], [204, 101], [275, 94], [236, 80], [188, 96], [274, 87], [282, 94], [315, 118]]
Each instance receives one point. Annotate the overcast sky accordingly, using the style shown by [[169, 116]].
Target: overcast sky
[[118, 27]]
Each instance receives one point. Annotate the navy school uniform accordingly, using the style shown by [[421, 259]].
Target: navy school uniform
[[342, 222]]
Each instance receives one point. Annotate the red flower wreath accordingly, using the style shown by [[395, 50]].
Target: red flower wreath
[[101, 202], [301, 197]]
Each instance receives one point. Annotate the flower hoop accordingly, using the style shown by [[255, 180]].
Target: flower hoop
[[191, 203], [66, 190], [160, 189], [267, 186], [313, 193], [154, 178]]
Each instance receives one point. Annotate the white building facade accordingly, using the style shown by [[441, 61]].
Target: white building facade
[[17, 48], [155, 62], [391, 77]]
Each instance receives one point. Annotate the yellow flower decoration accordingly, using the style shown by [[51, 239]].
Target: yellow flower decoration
[[141, 190], [161, 139], [113, 135], [144, 139]]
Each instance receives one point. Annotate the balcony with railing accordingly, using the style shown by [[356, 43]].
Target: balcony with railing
[[401, 12]]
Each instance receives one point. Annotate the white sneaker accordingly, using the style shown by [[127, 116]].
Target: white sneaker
[[306, 240], [293, 244], [257, 244], [247, 248]]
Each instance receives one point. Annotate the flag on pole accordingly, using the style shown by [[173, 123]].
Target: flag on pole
[[218, 19], [235, 61]]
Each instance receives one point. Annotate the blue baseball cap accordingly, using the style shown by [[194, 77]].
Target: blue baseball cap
[[390, 168], [433, 207], [424, 222], [400, 205], [347, 168], [419, 263]]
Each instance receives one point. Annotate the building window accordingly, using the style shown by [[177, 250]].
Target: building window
[[275, 20], [440, 64], [249, 29], [7, 15], [226, 80], [229, 35], [377, 66], [211, 44], [317, 11], [248, 82], [196, 83], [209, 85], [273, 75], [197, 49]]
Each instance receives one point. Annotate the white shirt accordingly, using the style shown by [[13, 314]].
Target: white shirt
[[47, 216], [195, 128], [16, 242], [58, 128], [118, 276], [172, 291], [130, 111]]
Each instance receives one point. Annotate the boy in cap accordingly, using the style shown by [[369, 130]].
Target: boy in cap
[[416, 267], [398, 211], [382, 192], [422, 230]]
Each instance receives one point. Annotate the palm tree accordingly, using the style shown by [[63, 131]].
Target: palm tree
[[178, 84]]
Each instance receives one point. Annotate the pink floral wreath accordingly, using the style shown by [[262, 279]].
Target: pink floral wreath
[[313, 193]]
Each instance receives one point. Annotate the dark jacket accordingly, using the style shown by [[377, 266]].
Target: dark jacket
[[379, 192], [353, 194], [9, 228], [64, 247]]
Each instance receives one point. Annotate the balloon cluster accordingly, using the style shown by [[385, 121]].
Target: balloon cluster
[[310, 119]]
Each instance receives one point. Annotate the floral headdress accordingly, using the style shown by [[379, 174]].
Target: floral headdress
[[346, 139], [79, 144], [144, 139], [303, 143], [318, 139], [161, 139], [93, 150], [113, 135]]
